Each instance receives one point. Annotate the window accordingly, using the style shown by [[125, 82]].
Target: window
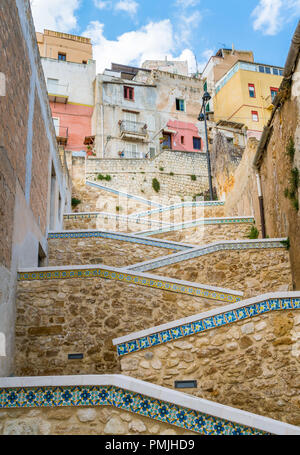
[[251, 88], [268, 70], [56, 125], [132, 151], [275, 71], [281, 72], [84, 62], [62, 57], [254, 116], [207, 107], [261, 69], [197, 143], [167, 142], [274, 92], [205, 87], [130, 117], [129, 93], [180, 105], [182, 139]]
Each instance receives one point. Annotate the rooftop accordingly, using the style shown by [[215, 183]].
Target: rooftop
[[248, 66], [61, 35]]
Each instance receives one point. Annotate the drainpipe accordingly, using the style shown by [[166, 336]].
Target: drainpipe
[[261, 206]]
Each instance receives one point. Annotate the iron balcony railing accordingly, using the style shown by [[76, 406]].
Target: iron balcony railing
[[62, 131], [127, 126]]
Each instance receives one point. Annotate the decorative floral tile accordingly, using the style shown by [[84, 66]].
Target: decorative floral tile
[[215, 321]]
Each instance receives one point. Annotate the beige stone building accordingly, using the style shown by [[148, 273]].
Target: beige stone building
[[64, 47]]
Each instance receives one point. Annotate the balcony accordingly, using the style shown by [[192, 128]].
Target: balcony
[[62, 134], [133, 130], [58, 93], [269, 102]]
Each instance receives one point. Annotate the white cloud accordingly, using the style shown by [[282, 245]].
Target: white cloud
[[270, 16], [129, 6], [186, 26], [153, 41], [55, 14], [103, 4], [187, 3]]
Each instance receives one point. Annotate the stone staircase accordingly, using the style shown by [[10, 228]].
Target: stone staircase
[[138, 310]]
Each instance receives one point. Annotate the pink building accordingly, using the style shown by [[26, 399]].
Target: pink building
[[72, 123], [70, 92], [183, 136]]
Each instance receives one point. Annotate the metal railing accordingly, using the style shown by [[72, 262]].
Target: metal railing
[[62, 131], [127, 126]]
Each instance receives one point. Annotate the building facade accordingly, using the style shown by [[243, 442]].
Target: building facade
[[153, 110], [170, 66], [64, 47], [245, 95], [70, 91], [218, 65], [35, 189]]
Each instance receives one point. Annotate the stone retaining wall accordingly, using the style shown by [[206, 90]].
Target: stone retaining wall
[[68, 316], [252, 366], [253, 272], [137, 175], [114, 253], [203, 234]]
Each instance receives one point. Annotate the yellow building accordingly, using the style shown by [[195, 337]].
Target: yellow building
[[65, 47], [245, 94]]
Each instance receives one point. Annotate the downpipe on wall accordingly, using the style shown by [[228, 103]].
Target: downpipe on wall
[[261, 206]]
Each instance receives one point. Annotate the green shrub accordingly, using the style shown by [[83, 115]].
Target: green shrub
[[161, 169], [118, 208], [171, 173], [290, 149], [294, 180], [102, 177], [75, 202], [295, 203], [193, 178], [292, 191], [286, 243], [254, 233], [155, 185]]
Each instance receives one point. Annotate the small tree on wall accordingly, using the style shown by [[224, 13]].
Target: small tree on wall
[[155, 185]]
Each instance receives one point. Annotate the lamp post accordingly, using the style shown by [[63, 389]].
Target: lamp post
[[202, 117]]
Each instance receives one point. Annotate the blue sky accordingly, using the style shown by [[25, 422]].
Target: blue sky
[[130, 31]]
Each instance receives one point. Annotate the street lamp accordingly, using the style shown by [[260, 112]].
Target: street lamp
[[202, 117]]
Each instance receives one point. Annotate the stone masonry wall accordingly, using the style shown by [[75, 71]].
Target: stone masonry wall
[[252, 366], [60, 317], [204, 234], [113, 253], [136, 176], [82, 421], [253, 272]]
